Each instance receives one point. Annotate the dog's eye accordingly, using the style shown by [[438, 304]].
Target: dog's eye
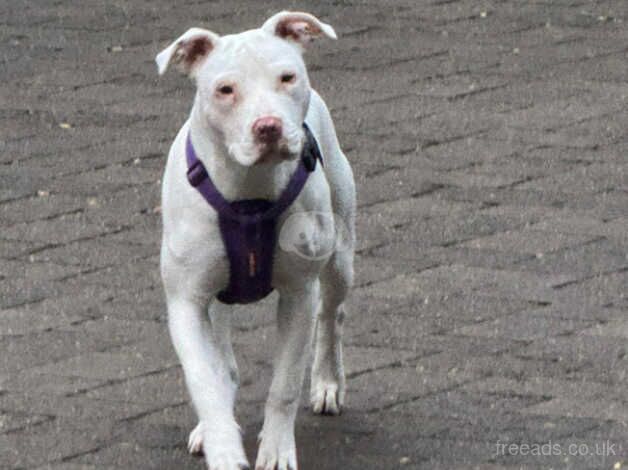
[[288, 78], [225, 90]]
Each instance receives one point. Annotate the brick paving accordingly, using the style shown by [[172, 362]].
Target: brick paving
[[489, 143]]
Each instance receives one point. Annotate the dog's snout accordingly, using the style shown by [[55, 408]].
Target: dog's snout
[[267, 129]]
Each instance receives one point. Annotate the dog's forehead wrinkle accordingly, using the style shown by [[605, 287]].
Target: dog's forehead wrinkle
[[253, 53], [257, 46], [249, 67]]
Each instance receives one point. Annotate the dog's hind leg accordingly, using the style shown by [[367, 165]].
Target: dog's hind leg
[[327, 387]]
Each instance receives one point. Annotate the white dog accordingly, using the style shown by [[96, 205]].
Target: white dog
[[246, 129]]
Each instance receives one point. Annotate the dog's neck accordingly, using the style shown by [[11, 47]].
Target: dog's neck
[[234, 180]]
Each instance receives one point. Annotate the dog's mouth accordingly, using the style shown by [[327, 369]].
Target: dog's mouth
[[288, 147], [249, 152], [276, 152]]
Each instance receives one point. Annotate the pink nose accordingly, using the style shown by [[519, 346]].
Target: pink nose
[[267, 129]]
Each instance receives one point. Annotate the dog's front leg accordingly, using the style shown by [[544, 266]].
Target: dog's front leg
[[211, 383], [295, 320]]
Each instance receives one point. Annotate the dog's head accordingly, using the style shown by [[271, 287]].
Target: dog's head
[[253, 90]]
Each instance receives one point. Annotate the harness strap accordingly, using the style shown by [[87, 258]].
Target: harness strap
[[249, 227], [199, 178]]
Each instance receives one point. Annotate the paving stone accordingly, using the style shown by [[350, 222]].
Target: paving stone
[[528, 241], [544, 387], [584, 357], [130, 453], [73, 466], [25, 319], [36, 383], [51, 441], [525, 326], [16, 421]]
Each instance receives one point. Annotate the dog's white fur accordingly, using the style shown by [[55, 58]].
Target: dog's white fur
[[194, 266]]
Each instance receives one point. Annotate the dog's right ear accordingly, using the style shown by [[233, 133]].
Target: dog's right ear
[[298, 27], [189, 51]]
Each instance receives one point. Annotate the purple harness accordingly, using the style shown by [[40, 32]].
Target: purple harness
[[248, 227]]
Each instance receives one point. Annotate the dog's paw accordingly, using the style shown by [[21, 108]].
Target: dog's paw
[[227, 463], [326, 398], [219, 456], [277, 452], [224, 459]]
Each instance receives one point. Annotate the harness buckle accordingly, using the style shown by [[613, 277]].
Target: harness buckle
[[196, 173], [310, 152]]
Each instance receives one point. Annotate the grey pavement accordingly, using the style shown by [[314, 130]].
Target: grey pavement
[[490, 315]]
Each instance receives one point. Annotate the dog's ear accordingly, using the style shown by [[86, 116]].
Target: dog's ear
[[189, 51], [298, 27]]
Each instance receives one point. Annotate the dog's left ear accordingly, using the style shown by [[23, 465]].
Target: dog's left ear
[[298, 27], [189, 51]]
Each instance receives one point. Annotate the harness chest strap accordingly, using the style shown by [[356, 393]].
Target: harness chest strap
[[248, 227]]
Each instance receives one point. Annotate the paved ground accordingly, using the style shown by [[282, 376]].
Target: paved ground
[[489, 142]]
